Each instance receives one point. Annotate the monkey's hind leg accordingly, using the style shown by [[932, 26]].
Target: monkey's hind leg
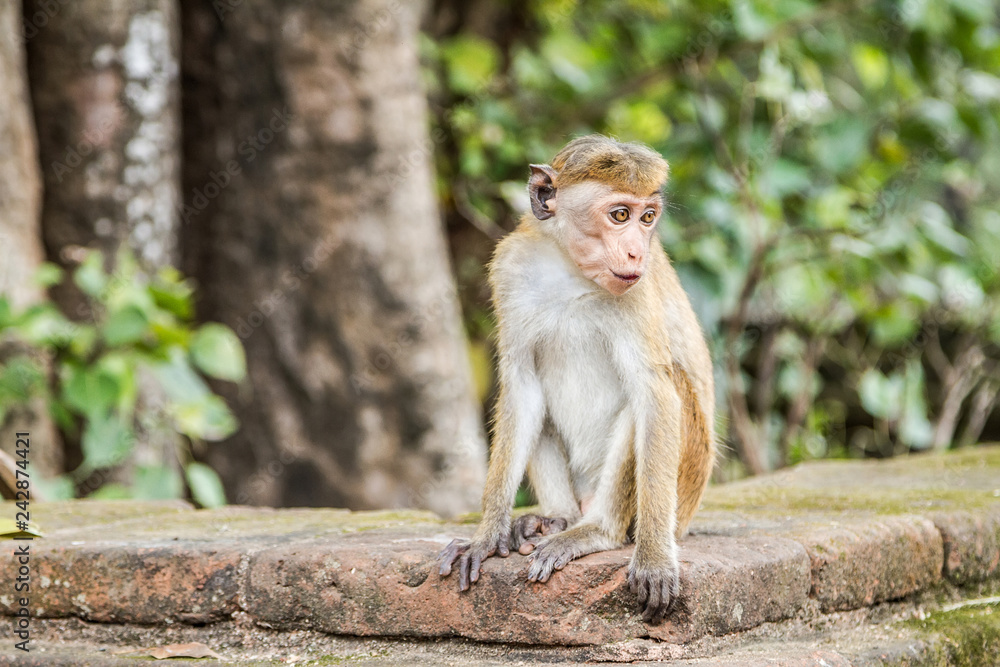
[[549, 475], [606, 523], [697, 453]]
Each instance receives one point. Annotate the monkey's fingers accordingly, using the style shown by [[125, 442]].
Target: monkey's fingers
[[477, 562], [657, 591], [449, 555], [542, 564], [640, 586], [654, 603], [463, 572]]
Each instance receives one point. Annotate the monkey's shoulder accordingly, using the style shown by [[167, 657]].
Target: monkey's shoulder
[[530, 269]]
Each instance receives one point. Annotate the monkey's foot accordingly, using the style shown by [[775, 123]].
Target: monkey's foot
[[554, 552], [657, 588], [470, 557], [528, 529]]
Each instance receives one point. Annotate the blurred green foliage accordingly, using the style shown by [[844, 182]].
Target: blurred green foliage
[[833, 202], [127, 385]]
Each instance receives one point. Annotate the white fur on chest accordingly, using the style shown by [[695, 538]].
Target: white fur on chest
[[570, 322]]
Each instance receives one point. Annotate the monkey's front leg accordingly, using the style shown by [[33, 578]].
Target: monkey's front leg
[[520, 409], [654, 572], [470, 557]]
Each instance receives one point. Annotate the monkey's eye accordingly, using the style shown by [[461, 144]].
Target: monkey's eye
[[619, 214], [648, 217]]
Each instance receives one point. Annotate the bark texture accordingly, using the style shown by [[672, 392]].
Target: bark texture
[[104, 78], [20, 244], [311, 224]]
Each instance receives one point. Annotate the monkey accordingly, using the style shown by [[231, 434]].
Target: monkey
[[606, 394]]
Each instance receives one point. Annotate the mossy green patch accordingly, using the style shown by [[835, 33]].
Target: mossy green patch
[[775, 497], [970, 635]]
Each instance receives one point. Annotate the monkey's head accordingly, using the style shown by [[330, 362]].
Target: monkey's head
[[603, 197]]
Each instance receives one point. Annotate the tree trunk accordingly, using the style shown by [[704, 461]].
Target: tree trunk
[[20, 237], [104, 77], [104, 80], [311, 224]]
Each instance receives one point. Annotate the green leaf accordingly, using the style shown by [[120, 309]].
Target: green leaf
[[881, 396], [217, 351], [113, 491], [206, 487], [749, 22], [178, 379], [894, 323], [43, 325], [639, 121], [871, 64], [83, 340], [48, 274], [125, 326], [783, 177], [21, 379], [915, 429], [106, 441], [471, 63], [205, 419], [89, 391], [54, 488], [173, 294], [90, 276], [841, 144], [937, 227], [122, 367], [6, 312], [157, 483]]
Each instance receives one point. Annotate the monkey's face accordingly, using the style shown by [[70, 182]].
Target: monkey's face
[[608, 232]]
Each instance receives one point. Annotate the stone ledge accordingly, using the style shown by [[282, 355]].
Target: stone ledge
[[837, 535], [370, 587]]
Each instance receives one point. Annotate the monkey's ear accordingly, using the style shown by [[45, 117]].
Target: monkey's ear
[[542, 191]]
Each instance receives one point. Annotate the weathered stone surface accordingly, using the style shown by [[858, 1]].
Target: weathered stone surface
[[971, 544], [859, 564], [371, 585], [192, 583], [758, 551]]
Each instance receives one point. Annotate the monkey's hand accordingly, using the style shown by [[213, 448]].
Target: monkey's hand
[[528, 529], [470, 557], [657, 587]]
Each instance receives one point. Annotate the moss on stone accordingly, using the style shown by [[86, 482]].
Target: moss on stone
[[789, 499], [969, 635]]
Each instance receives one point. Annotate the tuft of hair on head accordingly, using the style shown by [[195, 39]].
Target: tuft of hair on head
[[628, 166]]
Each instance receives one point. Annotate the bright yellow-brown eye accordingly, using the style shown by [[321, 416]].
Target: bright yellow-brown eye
[[619, 214], [648, 217]]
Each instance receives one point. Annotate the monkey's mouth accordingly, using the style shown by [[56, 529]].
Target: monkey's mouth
[[627, 278]]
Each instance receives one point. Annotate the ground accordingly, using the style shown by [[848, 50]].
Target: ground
[[836, 563]]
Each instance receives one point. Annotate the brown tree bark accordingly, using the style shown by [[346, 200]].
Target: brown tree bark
[[104, 78], [20, 237], [311, 224]]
